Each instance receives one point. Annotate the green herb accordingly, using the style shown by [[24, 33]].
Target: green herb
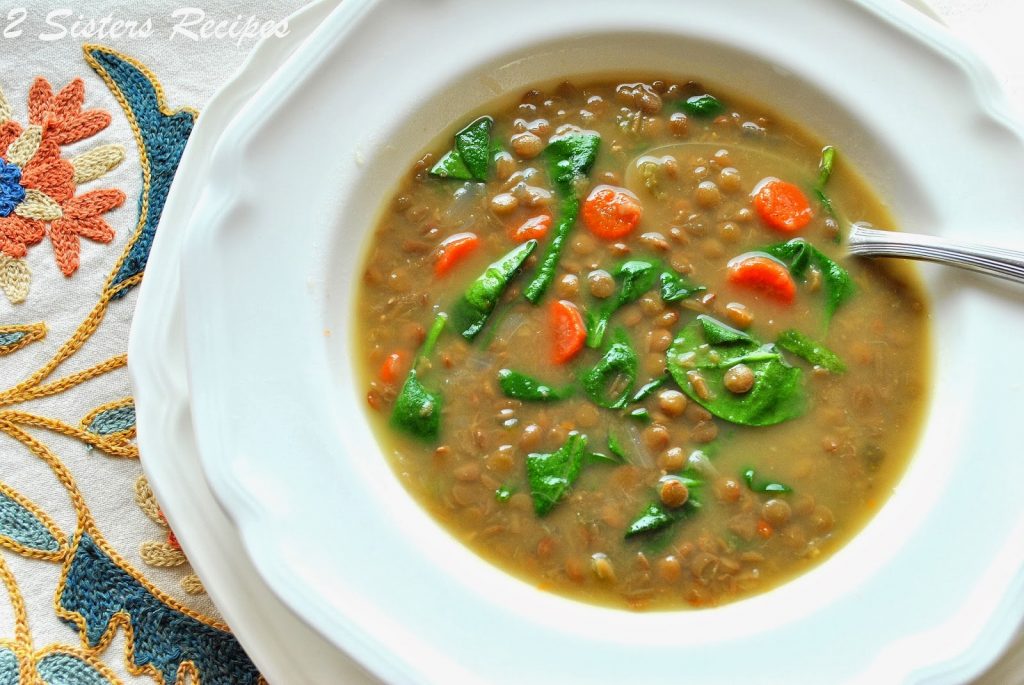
[[710, 348], [503, 493], [614, 447], [569, 159], [452, 166], [636, 277], [717, 333], [764, 486], [811, 350], [601, 458], [417, 410], [470, 158], [551, 475], [656, 517], [521, 387], [675, 287], [703, 106], [799, 255], [616, 367], [828, 156], [471, 312], [648, 388], [640, 414]]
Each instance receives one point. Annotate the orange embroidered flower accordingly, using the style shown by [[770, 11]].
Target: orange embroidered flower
[[39, 184]]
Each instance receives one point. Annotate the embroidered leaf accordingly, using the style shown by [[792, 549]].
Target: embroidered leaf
[[91, 165], [24, 148], [9, 671], [5, 108], [38, 205], [20, 525], [113, 420], [15, 278], [13, 338], [161, 137], [97, 588], [61, 668]]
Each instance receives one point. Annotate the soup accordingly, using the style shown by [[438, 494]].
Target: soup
[[611, 341]]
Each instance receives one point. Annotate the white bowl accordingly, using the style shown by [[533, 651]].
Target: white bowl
[[931, 586]]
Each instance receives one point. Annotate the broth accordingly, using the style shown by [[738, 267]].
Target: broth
[[793, 378]]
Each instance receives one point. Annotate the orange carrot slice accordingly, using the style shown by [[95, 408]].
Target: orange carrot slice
[[761, 272], [454, 249], [569, 331], [534, 228], [782, 205], [393, 367], [611, 212]]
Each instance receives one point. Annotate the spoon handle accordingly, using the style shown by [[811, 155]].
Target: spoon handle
[[994, 261]]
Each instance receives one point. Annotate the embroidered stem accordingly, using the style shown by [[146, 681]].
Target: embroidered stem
[[71, 381], [21, 632], [115, 448]]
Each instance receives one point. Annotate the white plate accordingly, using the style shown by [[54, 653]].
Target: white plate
[[165, 437], [268, 263]]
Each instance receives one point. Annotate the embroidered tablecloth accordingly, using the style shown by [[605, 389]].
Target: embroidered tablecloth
[[97, 104]]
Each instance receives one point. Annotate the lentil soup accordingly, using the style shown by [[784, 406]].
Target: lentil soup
[[611, 341]]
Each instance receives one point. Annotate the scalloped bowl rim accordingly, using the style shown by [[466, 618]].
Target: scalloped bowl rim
[[243, 422]]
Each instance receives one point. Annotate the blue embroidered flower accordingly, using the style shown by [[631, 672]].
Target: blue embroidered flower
[[11, 190]]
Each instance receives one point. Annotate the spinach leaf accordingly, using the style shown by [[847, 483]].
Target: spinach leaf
[[799, 255], [470, 158], [640, 414], [452, 166], [636, 277], [551, 475], [417, 410], [717, 333], [828, 156], [648, 388], [569, 159], [503, 493], [601, 458], [618, 363], [675, 287], [654, 517], [703, 106], [615, 447], [811, 350], [657, 517], [711, 348], [471, 311], [765, 486], [522, 387]]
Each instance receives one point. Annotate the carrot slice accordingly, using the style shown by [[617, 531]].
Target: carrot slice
[[611, 212], [763, 273], [764, 529], [570, 333], [392, 368], [782, 205], [534, 228], [453, 249]]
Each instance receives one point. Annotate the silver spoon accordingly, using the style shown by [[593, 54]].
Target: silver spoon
[[995, 261]]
